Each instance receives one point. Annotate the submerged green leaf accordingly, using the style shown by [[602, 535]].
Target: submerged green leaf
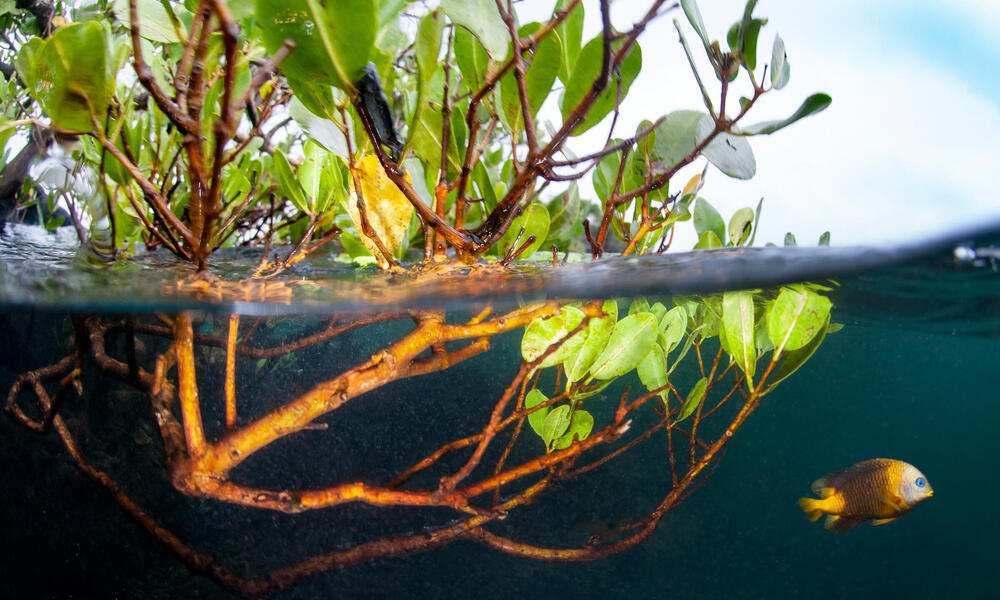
[[581, 423], [796, 358], [738, 330], [595, 337], [630, 342], [542, 333], [795, 317], [693, 400], [537, 418], [556, 423], [652, 370]]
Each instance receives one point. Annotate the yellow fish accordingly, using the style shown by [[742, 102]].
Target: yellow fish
[[877, 490]]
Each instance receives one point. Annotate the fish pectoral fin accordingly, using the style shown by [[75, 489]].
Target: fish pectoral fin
[[894, 501], [840, 525], [883, 521]]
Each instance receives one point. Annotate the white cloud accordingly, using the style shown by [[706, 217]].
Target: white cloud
[[907, 148]]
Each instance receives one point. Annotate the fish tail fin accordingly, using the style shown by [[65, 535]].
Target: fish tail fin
[[840, 525], [812, 507]]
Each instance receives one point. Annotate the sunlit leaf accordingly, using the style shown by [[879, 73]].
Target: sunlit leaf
[[71, 74], [824, 239], [586, 70], [739, 226], [630, 342], [535, 221], [810, 106], [570, 33], [333, 42], [387, 209], [780, 71], [426, 48], [538, 80], [676, 136], [155, 24], [707, 219], [482, 19], [289, 185], [730, 153]]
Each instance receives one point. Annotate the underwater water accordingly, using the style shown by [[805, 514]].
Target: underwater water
[[913, 375]]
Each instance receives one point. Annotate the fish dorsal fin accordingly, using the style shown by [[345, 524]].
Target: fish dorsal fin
[[838, 479], [840, 525]]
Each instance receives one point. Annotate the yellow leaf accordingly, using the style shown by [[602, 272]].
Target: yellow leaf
[[692, 186], [387, 209]]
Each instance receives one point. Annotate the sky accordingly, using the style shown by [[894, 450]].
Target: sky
[[909, 146]]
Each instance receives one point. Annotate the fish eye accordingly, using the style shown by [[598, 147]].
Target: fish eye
[[920, 482]]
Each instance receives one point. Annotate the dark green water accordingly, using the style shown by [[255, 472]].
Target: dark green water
[[913, 375]]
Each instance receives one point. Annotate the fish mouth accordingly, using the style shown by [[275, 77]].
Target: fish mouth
[[930, 493]]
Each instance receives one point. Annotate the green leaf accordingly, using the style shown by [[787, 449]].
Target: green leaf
[[693, 400], [708, 241], [290, 186], [555, 424], [155, 23], [596, 337], [570, 33], [586, 70], [630, 342], [676, 137], [706, 219], [790, 239], [652, 370], [730, 153], [580, 425], [319, 177], [542, 333], [482, 19], [738, 330], [317, 127], [332, 43], [810, 106], [796, 358], [673, 325], [749, 49], [694, 18], [535, 221], [740, 226], [638, 305], [426, 47], [537, 418], [471, 57], [538, 79], [71, 74], [824, 239], [780, 71], [795, 317], [756, 220]]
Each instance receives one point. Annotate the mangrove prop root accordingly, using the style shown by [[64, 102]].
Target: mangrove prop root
[[200, 466]]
